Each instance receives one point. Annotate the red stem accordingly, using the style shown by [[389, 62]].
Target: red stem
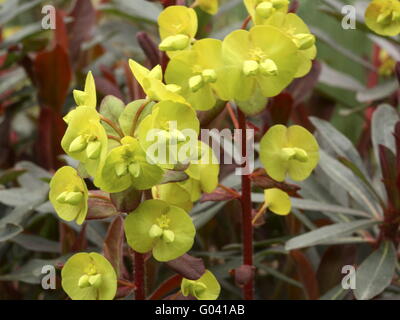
[[140, 293], [248, 289]]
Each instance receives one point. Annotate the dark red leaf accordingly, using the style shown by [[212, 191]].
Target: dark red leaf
[[80, 29], [149, 48], [99, 208], [126, 201], [280, 109], [167, 286], [329, 273], [187, 266], [219, 194], [48, 144], [306, 274], [301, 88], [60, 33], [53, 75], [113, 244], [106, 87]]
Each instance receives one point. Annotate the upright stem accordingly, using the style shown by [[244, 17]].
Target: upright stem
[[247, 226], [139, 276]]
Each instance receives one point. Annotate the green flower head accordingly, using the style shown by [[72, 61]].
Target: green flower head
[[263, 57], [88, 96], [196, 72], [165, 230], [298, 31], [277, 201], [166, 130], [209, 6], [205, 288], [293, 151], [89, 276], [177, 27], [383, 17], [86, 139], [69, 195], [261, 10], [151, 82], [126, 166]]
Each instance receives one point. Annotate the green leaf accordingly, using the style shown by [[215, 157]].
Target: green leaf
[[9, 230], [203, 212], [111, 108], [349, 182], [376, 272], [328, 233], [377, 93], [12, 8], [36, 243], [127, 117], [337, 142], [336, 293], [383, 121], [31, 272]]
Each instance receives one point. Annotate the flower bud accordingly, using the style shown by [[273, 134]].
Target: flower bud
[[78, 144], [250, 67], [196, 83], [265, 9], [175, 43], [84, 281], [304, 41], [80, 97], [155, 231], [278, 4], [209, 75], [93, 150], [168, 236], [121, 169], [268, 68], [73, 198], [95, 280], [173, 88], [134, 169]]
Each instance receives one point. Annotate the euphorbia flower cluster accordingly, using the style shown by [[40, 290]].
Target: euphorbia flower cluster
[[118, 154]]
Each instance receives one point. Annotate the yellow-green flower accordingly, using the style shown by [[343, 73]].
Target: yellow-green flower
[[261, 10], [88, 96], [383, 17], [86, 139], [197, 73], [263, 57], [293, 151], [69, 195], [205, 288], [126, 166], [177, 27], [277, 201], [209, 6], [166, 130], [156, 226], [176, 194], [298, 31], [89, 276], [151, 82]]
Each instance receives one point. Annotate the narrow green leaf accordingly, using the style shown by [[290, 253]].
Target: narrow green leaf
[[328, 233], [376, 272]]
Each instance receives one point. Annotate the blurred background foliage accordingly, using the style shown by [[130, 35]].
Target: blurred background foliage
[[40, 68]]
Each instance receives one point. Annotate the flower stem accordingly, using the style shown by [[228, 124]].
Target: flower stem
[[247, 226], [112, 125], [140, 292]]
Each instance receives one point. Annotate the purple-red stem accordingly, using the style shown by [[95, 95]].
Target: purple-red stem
[[247, 226], [139, 276]]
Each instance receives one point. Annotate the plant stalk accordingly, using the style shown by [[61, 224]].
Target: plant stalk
[[247, 226], [139, 276]]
